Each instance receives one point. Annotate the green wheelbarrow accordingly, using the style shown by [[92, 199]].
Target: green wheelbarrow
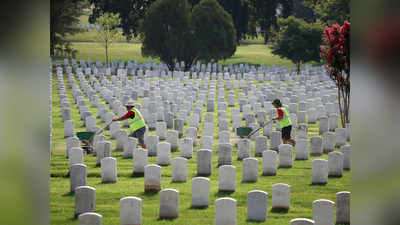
[[86, 138], [247, 132]]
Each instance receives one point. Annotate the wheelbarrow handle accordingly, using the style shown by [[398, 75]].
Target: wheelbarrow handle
[[262, 126], [102, 129]]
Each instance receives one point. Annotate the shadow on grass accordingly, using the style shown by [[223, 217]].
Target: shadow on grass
[[148, 193], [248, 182], [137, 175], [198, 207], [254, 222], [279, 210], [223, 193], [69, 194], [178, 182], [335, 177], [317, 184], [167, 219]]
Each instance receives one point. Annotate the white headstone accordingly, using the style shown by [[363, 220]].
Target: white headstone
[[204, 162], [130, 211], [257, 205], [179, 169], [319, 171], [250, 170], [200, 192], [108, 170], [227, 178], [139, 160], [285, 156], [84, 200], [163, 153], [324, 212], [280, 196], [152, 178], [224, 207], [269, 163], [169, 204], [90, 218]]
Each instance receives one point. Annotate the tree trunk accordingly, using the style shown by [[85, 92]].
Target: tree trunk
[[107, 54], [298, 68]]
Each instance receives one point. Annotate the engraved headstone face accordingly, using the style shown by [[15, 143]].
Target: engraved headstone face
[[77, 176], [335, 164], [319, 171], [244, 149], [151, 144], [316, 146], [280, 196], [152, 178], [108, 170], [343, 207], [250, 170], [84, 200], [257, 205], [200, 192], [169, 204], [90, 218], [139, 160], [285, 156], [260, 145], [186, 148], [224, 207], [130, 210], [172, 138], [269, 165], [179, 169], [163, 153], [227, 178], [224, 154], [324, 212]]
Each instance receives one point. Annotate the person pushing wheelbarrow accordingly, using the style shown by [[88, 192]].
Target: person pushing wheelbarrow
[[137, 123], [284, 122]]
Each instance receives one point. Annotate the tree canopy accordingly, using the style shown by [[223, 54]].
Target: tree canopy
[[130, 11], [173, 32], [298, 40], [332, 11], [64, 20]]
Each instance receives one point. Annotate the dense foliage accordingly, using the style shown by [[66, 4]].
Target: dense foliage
[[298, 41], [174, 33]]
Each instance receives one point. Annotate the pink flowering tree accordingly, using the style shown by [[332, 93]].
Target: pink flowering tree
[[336, 54]]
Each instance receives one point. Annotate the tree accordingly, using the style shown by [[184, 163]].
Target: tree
[[214, 30], [265, 14], [130, 11], [172, 32], [298, 41], [108, 31], [336, 53], [331, 11], [164, 30], [64, 16], [239, 10]]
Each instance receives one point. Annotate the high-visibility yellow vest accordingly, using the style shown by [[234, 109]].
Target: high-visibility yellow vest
[[138, 121], [285, 121]]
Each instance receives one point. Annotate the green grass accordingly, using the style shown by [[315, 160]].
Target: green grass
[[108, 195], [246, 53]]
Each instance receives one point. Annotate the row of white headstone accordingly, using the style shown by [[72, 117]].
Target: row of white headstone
[[225, 208]]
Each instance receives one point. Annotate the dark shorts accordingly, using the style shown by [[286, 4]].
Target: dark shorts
[[139, 134], [286, 132]]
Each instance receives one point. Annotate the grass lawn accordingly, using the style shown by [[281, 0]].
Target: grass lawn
[[108, 195]]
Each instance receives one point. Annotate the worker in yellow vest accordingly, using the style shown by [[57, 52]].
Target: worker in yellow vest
[[284, 122], [137, 123]]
